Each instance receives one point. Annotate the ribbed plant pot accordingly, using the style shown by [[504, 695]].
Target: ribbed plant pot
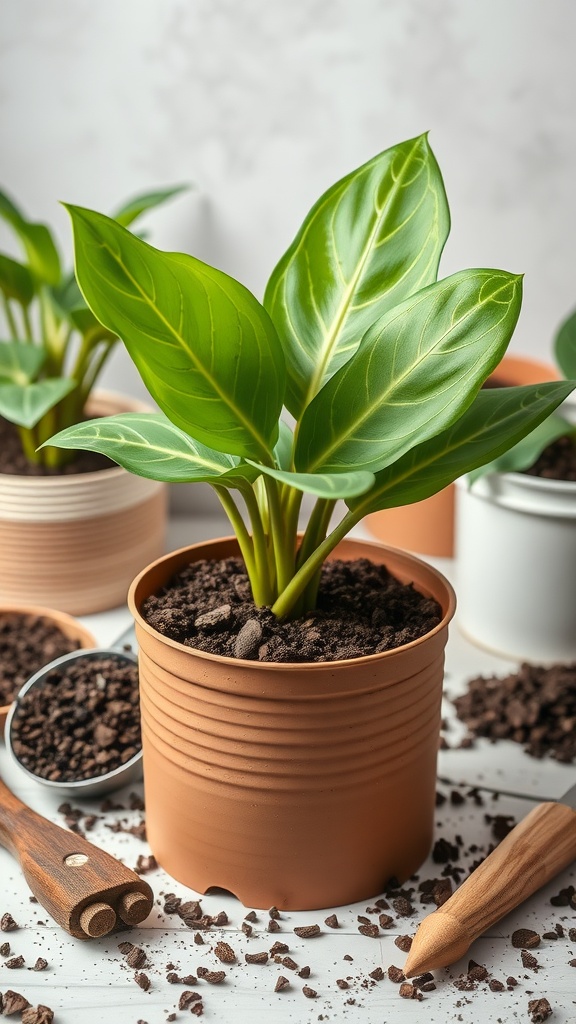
[[428, 526], [75, 542], [69, 626], [295, 785], [516, 559]]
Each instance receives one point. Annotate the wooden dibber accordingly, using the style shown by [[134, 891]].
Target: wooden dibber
[[85, 890], [536, 850]]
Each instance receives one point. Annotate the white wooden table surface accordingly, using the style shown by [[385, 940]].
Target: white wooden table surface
[[89, 982]]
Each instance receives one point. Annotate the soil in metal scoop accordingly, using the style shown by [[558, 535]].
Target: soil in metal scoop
[[82, 722], [362, 609]]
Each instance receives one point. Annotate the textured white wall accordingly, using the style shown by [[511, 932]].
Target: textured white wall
[[263, 104]]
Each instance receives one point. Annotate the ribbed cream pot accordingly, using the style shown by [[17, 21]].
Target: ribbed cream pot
[[294, 785], [75, 542]]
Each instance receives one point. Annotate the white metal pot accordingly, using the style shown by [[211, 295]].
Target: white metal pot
[[516, 563], [76, 542]]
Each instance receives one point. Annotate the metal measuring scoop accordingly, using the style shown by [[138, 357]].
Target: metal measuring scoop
[[99, 785]]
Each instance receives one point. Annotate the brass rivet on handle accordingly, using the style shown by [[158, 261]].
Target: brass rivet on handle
[[97, 919], [134, 907]]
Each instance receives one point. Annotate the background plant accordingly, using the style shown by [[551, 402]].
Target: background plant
[[379, 364], [55, 348], [525, 453]]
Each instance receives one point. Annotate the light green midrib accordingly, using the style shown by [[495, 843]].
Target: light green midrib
[[143, 444], [331, 340], [369, 409], [422, 464]]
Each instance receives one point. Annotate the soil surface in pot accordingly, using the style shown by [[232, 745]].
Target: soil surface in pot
[[557, 461], [83, 722], [13, 461], [362, 609], [27, 643]]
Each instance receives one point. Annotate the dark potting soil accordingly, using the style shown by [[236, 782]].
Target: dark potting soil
[[535, 706], [557, 461], [362, 609], [14, 462], [83, 722], [26, 644]]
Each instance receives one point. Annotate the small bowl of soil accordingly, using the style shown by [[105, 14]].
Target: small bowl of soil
[[75, 725], [31, 637]]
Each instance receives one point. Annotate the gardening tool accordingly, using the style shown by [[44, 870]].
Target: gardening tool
[[100, 785], [537, 849], [87, 891]]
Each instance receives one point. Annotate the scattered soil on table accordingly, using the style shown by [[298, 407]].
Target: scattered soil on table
[[535, 706], [14, 462], [362, 609], [26, 644], [83, 722], [557, 461]]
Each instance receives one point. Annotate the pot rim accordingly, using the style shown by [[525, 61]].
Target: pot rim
[[535, 483], [295, 666]]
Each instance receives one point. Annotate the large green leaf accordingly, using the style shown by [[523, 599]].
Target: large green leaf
[[324, 485], [20, 361], [37, 240], [525, 453], [25, 404], [16, 281], [369, 242], [135, 207], [148, 444], [497, 418], [205, 347], [565, 347], [417, 369]]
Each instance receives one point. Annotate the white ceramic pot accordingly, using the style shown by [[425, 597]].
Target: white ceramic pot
[[76, 542], [516, 563]]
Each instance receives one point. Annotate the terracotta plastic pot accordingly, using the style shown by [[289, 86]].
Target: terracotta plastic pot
[[75, 542], [68, 625], [428, 526], [516, 553], [299, 786]]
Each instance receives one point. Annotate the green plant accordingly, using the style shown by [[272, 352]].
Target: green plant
[[528, 450], [379, 365], [57, 348]]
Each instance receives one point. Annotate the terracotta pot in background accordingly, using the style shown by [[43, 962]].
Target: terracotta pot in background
[[299, 786], [68, 625], [75, 542], [427, 527]]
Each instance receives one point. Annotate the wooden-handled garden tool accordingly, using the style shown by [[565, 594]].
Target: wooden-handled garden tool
[[87, 891], [537, 849]]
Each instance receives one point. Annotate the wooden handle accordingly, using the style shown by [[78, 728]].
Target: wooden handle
[[84, 889], [536, 850]]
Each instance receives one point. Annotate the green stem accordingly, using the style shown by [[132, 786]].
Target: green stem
[[287, 600], [29, 445], [27, 323], [309, 597], [283, 542], [10, 318], [244, 541], [54, 342], [316, 528], [259, 539]]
